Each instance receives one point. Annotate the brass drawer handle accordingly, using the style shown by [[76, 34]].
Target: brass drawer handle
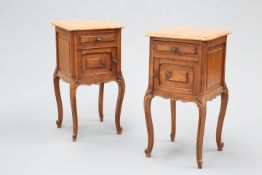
[[174, 49], [102, 63], [98, 38], [168, 75]]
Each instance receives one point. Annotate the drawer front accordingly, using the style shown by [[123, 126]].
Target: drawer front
[[98, 37], [97, 63], [173, 75], [176, 50]]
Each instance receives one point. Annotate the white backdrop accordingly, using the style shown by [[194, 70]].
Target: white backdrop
[[30, 143]]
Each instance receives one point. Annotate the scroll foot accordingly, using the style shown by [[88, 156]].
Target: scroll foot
[[200, 164], [59, 124], [74, 138], [148, 153], [220, 146], [119, 130], [172, 138]]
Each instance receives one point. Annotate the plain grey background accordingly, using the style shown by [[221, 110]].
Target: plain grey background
[[30, 143]]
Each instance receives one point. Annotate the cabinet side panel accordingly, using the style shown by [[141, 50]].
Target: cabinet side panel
[[118, 53], [215, 66], [63, 53], [199, 70], [151, 65]]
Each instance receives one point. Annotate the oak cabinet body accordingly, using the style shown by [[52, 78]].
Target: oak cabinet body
[[88, 53], [190, 68]]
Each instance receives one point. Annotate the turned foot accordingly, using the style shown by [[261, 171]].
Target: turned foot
[[148, 153], [59, 124], [200, 164], [74, 138], [119, 130], [220, 146], [101, 119]]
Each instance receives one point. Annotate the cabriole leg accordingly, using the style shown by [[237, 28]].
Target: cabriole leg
[[58, 100], [73, 88], [224, 100], [121, 91], [200, 133], [150, 130], [173, 120], [100, 101]]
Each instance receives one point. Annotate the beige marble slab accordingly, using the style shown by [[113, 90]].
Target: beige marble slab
[[86, 25], [189, 34]]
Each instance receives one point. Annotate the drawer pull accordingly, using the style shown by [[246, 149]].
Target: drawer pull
[[98, 38], [168, 75], [115, 61], [174, 49], [102, 63]]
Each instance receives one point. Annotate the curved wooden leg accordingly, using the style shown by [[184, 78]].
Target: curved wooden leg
[[100, 101], [150, 129], [58, 101], [224, 100], [74, 110], [173, 120], [121, 91], [200, 133]]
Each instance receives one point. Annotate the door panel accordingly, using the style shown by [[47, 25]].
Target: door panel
[[173, 75], [97, 63]]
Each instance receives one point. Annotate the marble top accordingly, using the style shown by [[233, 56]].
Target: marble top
[[189, 34], [86, 25]]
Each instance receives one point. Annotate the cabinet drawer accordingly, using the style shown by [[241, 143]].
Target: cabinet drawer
[[181, 51], [97, 63], [173, 76], [99, 37]]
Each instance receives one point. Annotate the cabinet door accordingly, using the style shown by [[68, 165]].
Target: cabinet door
[[97, 65], [174, 76]]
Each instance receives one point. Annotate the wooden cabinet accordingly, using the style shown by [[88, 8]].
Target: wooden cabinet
[[187, 65], [88, 52]]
